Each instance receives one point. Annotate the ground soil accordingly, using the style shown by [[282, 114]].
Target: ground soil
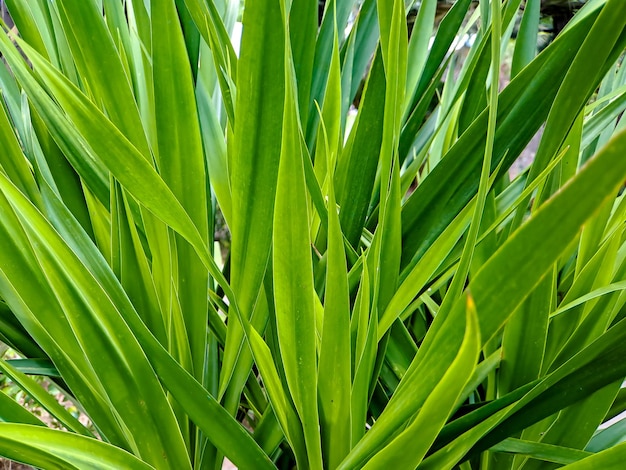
[[10, 465]]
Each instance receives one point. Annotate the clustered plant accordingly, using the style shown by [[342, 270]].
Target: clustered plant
[[391, 296]]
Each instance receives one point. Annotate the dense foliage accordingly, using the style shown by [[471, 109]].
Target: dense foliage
[[390, 297]]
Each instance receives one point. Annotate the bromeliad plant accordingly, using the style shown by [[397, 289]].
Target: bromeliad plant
[[390, 297]]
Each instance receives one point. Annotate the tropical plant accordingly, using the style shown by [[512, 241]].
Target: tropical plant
[[389, 296]]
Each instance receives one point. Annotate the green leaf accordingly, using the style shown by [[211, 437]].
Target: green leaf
[[460, 276], [13, 412], [201, 407], [591, 370], [207, 19], [65, 135], [446, 33], [13, 162], [286, 415], [421, 433], [254, 166], [418, 43], [293, 281], [336, 14], [522, 108], [26, 292], [540, 451], [501, 285], [578, 84], [45, 399], [303, 35], [103, 69], [133, 171], [334, 379], [34, 367], [607, 437], [387, 238], [415, 281], [112, 349], [524, 338], [52, 449], [347, 160], [126, 163], [364, 342], [32, 24], [128, 261], [361, 155], [610, 458], [526, 41], [178, 133], [552, 228]]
